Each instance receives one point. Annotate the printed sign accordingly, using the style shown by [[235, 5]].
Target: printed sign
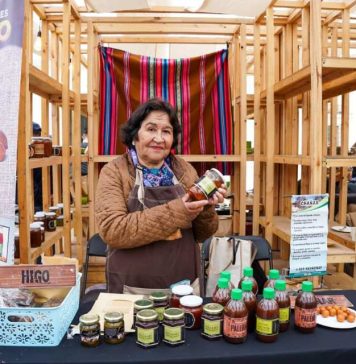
[[309, 231]]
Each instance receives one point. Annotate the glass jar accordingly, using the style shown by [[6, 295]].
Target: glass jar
[[178, 292], [54, 209], [206, 185], [140, 305], [173, 326], [50, 221], [17, 244], [212, 321], [37, 147], [47, 146], [60, 220], [39, 216], [60, 208], [41, 225], [160, 303], [114, 328], [89, 330], [147, 328], [56, 150], [193, 309], [35, 235]]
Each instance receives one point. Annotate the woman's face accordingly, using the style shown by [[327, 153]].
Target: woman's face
[[154, 139]]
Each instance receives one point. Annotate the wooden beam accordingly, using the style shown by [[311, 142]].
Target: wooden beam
[[167, 39], [261, 16]]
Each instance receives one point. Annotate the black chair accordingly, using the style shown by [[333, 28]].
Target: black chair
[[96, 247]]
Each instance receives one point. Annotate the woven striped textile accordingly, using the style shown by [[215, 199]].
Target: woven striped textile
[[197, 87]]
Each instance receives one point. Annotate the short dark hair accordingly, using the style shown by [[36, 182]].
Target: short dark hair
[[130, 129]]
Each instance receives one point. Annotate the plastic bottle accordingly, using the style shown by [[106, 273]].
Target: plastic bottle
[[235, 318], [225, 274], [305, 309], [272, 277], [222, 294], [248, 276], [267, 317], [283, 301], [251, 304]]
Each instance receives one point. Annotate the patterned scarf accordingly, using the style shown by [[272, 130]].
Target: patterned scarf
[[154, 177]]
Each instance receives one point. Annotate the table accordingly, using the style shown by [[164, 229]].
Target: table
[[323, 346]]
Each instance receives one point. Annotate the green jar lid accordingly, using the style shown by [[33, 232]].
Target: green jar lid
[[223, 283], [248, 272], [143, 304], [213, 308], [268, 293], [236, 294], [158, 296], [147, 315], [280, 285], [274, 274], [113, 316], [307, 286], [89, 319], [173, 313], [226, 274], [246, 286]]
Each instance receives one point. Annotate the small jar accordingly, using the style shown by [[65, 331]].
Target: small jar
[[160, 303], [35, 235], [140, 305], [50, 221], [56, 150], [114, 328], [17, 244], [206, 185], [60, 220], [39, 216], [212, 321], [37, 147], [173, 326], [178, 292], [41, 225], [193, 309], [89, 330], [147, 328], [54, 209], [47, 146], [60, 208]]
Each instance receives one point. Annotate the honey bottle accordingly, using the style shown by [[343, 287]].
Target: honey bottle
[[272, 277], [248, 276], [305, 309], [251, 304], [222, 294], [283, 301]]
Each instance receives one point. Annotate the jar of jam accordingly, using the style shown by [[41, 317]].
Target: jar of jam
[[206, 185], [140, 305], [54, 209], [147, 328], [193, 309], [35, 235], [267, 317], [41, 225], [56, 150], [222, 294], [47, 141], [251, 304], [235, 318], [283, 301], [160, 303], [39, 216], [248, 276], [50, 221], [17, 244], [37, 147], [178, 292], [212, 321], [272, 277], [60, 220], [60, 208], [305, 309], [89, 330], [114, 328], [173, 326]]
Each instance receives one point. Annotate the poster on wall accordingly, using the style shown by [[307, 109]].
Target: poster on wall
[[11, 30], [309, 234]]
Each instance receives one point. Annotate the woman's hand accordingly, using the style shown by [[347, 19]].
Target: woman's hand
[[194, 208], [218, 196]]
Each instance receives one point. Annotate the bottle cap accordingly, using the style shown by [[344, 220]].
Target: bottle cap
[[246, 286], [268, 293], [280, 285], [236, 294], [274, 274], [226, 274], [223, 283], [248, 272], [307, 286]]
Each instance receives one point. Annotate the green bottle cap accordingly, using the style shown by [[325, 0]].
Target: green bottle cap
[[248, 271], [223, 283], [307, 286], [246, 286], [226, 274], [280, 285], [268, 293], [236, 294], [274, 274]]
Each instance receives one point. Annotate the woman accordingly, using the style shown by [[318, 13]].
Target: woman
[[143, 211]]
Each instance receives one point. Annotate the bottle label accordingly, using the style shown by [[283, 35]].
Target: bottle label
[[189, 319], [207, 185], [148, 337], [284, 314], [305, 317], [212, 327], [39, 148], [172, 334], [267, 327], [235, 327]]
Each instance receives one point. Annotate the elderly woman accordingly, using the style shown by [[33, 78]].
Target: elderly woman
[[143, 211]]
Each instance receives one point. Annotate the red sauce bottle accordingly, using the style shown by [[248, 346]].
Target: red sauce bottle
[[267, 317], [283, 301], [272, 277], [235, 318], [305, 309], [248, 276], [251, 304], [224, 274], [222, 294]]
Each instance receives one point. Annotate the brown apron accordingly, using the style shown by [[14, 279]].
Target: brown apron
[[161, 263]]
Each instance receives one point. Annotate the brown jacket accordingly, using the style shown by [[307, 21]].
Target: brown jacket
[[124, 230]]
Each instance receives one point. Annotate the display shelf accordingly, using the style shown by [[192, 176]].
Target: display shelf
[[51, 238], [44, 162], [349, 161], [292, 159]]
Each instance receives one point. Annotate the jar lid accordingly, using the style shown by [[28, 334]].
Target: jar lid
[[89, 319], [50, 214], [191, 301], [173, 313], [143, 304], [147, 315], [37, 138], [56, 146], [47, 138], [113, 316], [60, 217], [221, 176], [60, 205], [53, 208], [158, 296], [213, 308], [39, 214], [35, 225], [182, 290]]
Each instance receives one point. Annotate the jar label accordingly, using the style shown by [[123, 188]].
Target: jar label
[[38, 148], [206, 184], [235, 327], [172, 334], [267, 327], [284, 314], [114, 333], [305, 317], [189, 319], [51, 224], [212, 327], [160, 313], [147, 337]]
